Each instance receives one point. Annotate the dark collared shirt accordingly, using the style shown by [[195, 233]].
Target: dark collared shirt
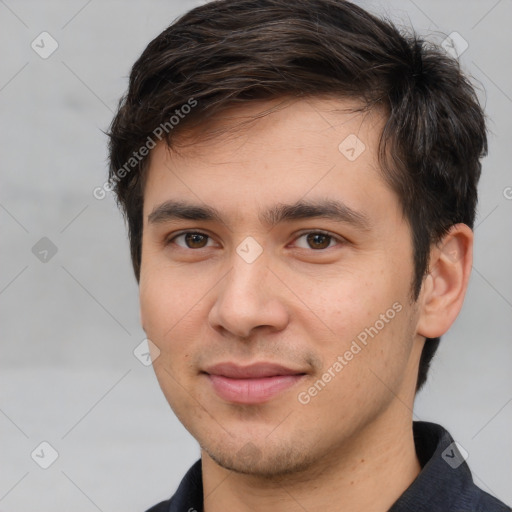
[[443, 485]]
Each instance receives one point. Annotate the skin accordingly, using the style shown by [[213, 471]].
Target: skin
[[351, 446]]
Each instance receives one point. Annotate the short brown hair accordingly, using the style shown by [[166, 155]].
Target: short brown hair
[[231, 51]]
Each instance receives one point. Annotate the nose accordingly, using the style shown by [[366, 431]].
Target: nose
[[250, 297]]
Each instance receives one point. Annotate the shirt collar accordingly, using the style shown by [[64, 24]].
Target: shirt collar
[[444, 476]]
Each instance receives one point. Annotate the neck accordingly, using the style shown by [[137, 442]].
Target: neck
[[368, 472]]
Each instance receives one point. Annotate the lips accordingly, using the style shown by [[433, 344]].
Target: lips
[[252, 384], [254, 371]]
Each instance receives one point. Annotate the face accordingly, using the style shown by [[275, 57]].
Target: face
[[275, 283]]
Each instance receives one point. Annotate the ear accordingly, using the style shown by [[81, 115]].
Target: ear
[[444, 288]]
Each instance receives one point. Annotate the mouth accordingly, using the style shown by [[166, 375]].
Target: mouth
[[257, 383]]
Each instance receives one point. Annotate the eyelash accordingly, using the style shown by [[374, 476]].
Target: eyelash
[[336, 238]]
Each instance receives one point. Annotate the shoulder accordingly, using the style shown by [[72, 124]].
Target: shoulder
[[484, 502], [189, 495], [160, 507]]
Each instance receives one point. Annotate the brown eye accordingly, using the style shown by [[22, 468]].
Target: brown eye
[[190, 240], [318, 240], [196, 240]]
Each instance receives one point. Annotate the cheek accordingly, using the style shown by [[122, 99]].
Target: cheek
[[161, 311], [169, 319], [365, 369], [167, 297], [173, 309], [368, 319], [156, 301], [347, 303]]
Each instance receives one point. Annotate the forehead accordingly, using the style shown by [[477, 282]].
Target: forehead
[[279, 149], [282, 123]]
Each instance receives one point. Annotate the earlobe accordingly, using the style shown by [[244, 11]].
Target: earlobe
[[445, 286]]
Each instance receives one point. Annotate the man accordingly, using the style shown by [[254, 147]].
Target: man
[[299, 181]]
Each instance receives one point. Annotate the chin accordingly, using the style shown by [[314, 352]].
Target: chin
[[268, 462]]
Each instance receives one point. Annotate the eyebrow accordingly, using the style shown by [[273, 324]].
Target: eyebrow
[[279, 213]]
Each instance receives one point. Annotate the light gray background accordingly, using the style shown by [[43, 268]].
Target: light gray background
[[69, 326]]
